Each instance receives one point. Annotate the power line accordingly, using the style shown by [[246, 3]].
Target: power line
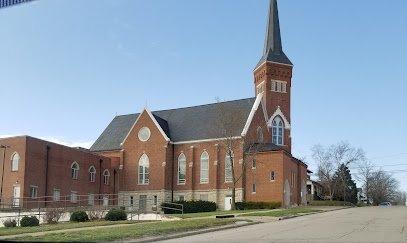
[[387, 156]]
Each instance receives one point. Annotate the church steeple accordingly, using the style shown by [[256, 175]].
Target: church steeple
[[273, 49], [272, 79]]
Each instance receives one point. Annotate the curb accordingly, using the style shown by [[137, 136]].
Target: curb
[[191, 233], [297, 216]]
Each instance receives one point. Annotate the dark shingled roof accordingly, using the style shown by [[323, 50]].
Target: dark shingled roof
[[184, 124], [263, 147], [273, 48]]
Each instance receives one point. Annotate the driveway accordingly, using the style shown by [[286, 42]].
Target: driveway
[[373, 224]]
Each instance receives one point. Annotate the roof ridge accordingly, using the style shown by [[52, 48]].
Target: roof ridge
[[187, 107]]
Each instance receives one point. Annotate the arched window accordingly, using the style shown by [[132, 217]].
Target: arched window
[[74, 170], [143, 170], [260, 137], [106, 176], [182, 167], [228, 167], [278, 131], [15, 160], [204, 167], [92, 174]]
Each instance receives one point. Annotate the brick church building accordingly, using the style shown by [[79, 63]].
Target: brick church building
[[192, 153], [180, 154]]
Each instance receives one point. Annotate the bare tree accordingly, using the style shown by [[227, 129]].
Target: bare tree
[[229, 120], [383, 187], [330, 158], [326, 168], [365, 173]]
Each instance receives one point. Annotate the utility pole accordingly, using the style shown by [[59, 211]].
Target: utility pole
[[4, 147]]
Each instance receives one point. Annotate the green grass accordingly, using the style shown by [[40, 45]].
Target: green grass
[[286, 212], [130, 232], [210, 214], [49, 227]]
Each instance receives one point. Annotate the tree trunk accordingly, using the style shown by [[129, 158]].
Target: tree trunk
[[233, 198]]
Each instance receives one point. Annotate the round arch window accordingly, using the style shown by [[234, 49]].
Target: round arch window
[[144, 134]]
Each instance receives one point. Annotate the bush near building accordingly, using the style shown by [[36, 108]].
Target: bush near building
[[28, 221], [116, 214], [79, 216], [189, 207], [10, 223], [52, 215], [257, 205]]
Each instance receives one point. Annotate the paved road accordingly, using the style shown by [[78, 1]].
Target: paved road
[[350, 225]]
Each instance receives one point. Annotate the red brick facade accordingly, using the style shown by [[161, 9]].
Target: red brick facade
[[145, 163], [47, 167]]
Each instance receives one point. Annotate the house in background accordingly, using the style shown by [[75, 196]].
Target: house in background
[[362, 198], [315, 189]]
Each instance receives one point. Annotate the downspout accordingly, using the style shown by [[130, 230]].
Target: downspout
[[114, 183], [100, 179], [172, 174], [46, 175]]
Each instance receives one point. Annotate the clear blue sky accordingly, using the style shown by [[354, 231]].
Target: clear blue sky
[[67, 67]]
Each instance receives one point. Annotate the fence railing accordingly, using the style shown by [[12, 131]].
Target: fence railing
[[135, 207]]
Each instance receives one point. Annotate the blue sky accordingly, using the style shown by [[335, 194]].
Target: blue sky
[[68, 67]]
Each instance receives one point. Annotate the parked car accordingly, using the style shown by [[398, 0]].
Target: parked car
[[385, 204]]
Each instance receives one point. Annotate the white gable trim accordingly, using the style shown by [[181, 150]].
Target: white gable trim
[[155, 122], [251, 115], [278, 112], [158, 125]]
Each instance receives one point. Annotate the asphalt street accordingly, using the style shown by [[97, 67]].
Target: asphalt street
[[370, 224]]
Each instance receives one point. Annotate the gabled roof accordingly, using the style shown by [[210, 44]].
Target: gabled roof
[[273, 48], [183, 124]]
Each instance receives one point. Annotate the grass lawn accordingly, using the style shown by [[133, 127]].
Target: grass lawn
[[286, 212], [60, 226], [209, 214], [130, 232]]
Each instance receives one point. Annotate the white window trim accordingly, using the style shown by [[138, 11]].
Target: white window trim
[[12, 162], [92, 178], [272, 180], [71, 197], [254, 186], [91, 195], [53, 195], [201, 179], [76, 175], [144, 181], [36, 192], [278, 112], [254, 164], [277, 131], [178, 179], [106, 181], [229, 180], [275, 83]]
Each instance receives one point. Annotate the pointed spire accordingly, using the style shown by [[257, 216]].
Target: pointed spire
[[273, 49]]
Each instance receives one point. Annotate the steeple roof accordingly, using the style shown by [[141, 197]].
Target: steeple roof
[[273, 49]]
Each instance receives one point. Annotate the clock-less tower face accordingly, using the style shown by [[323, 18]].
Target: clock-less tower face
[[144, 134]]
